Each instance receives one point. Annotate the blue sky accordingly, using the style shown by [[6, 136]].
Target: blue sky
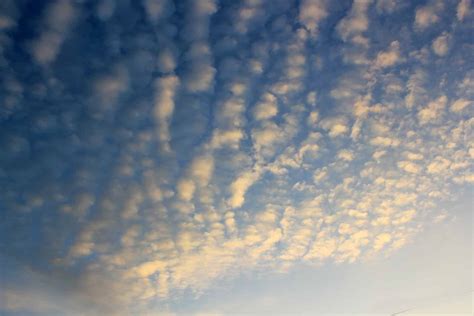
[[252, 157]]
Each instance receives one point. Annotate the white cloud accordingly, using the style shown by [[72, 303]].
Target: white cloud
[[58, 19], [415, 87], [463, 9], [239, 187], [428, 14], [149, 268], [381, 240], [266, 108], [356, 22], [390, 57], [311, 13], [166, 61], [165, 90], [433, 111], [200, 73], [336, 126], [157, 10], [409, 166], [441, 44], [345, 155], [201, 169], [267, 135], [186, 189], [389, 6], [459, 105], [230, 138], [384, 141], [438, 165], [108, 87]]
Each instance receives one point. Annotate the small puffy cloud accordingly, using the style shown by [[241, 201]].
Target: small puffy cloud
[[357, 214], [463, 9], [345, 155], [441, 44], [6, 22], [322, 248], [388, 6], [440, 164], [186, 189], [413, 156], [239, 187], [311, 13], [166, 61], [345, 229], [320, 175], [266, 108], [384, 141], [404, 217], [157, 10], [201, 169], [390, 57], [82, 249], [459, 105], [267, 135], [313, 118], [165, 90], [381, 240], [200, 73], [229, 138], [409, 166], [151, 267], [108, 87], [428, 14], [356, 22], [336, 126], [58, 19], [415, 87], [311, 98], [432, 111]]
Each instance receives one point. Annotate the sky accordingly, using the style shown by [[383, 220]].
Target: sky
[[227, 157]]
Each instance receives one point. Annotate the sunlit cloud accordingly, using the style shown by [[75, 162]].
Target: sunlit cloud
[[154, 151]]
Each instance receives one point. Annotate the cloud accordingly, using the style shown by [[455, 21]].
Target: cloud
[[381, 240], [165, 90], [389, 6], [199, 75], [186, 189], [438, 165], [459, 105], [432, 112], [390, 57], [201, 169], [239, 187], [336, 126], [222, 136], [346, 155], [409, 166], [428, 14], [356, 22], [58, 19], [158, 10], [166, 61], [230, 138], [267, 108], [311, 13], [463, 9], [441, 44], [109, 87]]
